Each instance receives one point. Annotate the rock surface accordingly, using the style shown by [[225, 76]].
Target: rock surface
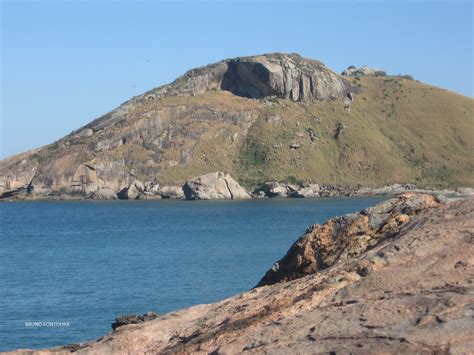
[[133, 319], [172, 192], [346, 237], [214, 186], [362, 71], [287, 76], [411, 292], [104, 194]]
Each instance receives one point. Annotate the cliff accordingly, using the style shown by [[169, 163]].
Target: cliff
[[395, 278]]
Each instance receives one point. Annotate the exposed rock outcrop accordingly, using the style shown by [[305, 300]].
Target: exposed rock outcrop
[[286, 76], [134, 191], [362, 71], [310, 191], [104, 194], [263, 117], [409, 293], [343, 238], [274, 189], [133, 319], [172, 192], [214, 186]]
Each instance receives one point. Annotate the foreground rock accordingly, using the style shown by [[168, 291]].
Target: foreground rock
[[410, 292], [133, 319], [214, 186], [343, 238]]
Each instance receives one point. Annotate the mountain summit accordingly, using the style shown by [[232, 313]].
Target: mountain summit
[[272, 117], [286, 76]]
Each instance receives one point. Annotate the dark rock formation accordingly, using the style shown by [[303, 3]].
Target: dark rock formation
[[133, 319]]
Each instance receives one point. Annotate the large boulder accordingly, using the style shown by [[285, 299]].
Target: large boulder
[[312, 190], [172, 192], [104, 194], [362, 71], [214, 186], [275, 189], [134, 191]]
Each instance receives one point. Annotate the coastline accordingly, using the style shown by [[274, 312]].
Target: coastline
[[398, 281], [265, 190]]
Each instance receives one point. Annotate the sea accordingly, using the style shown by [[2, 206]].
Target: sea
[[69, 268]]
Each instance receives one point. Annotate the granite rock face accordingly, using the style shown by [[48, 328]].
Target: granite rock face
[[287, 76], [172, 192], [214, 186], [104, 194], [409, 293], [343, 238], [362, 71]]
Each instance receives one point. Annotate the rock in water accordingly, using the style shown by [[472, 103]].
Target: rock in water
[[134, 191], [214, 186], [172, 192], [104, 194]]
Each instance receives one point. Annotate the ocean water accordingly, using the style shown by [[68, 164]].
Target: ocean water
[[85, 263]]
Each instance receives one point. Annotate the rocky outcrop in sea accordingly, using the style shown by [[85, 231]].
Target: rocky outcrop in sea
[[214, 186]]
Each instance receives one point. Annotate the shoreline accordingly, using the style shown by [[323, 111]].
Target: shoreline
[[393, 277], [270, 190]]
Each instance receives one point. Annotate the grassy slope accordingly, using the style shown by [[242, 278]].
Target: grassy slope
[[398, 130]]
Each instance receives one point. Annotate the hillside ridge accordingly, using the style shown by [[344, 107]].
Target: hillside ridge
[[272, 117]]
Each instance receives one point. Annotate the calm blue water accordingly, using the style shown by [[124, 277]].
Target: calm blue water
[[88, 262]]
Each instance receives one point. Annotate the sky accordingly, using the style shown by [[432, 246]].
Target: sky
[[65, 63]]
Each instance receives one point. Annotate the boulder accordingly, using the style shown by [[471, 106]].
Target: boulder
[[306, 192], [214, 186], [134, 191], [152, 187], [362, 71], [347, 104], [104, 194], [275, 189], [172, 192]]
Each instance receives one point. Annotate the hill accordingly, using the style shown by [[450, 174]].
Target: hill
[[274, 117]]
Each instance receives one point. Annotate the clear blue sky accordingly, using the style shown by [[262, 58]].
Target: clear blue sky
[[64, 63]]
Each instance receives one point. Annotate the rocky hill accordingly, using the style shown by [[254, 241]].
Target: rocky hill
[[395, 278], [274, 117]]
